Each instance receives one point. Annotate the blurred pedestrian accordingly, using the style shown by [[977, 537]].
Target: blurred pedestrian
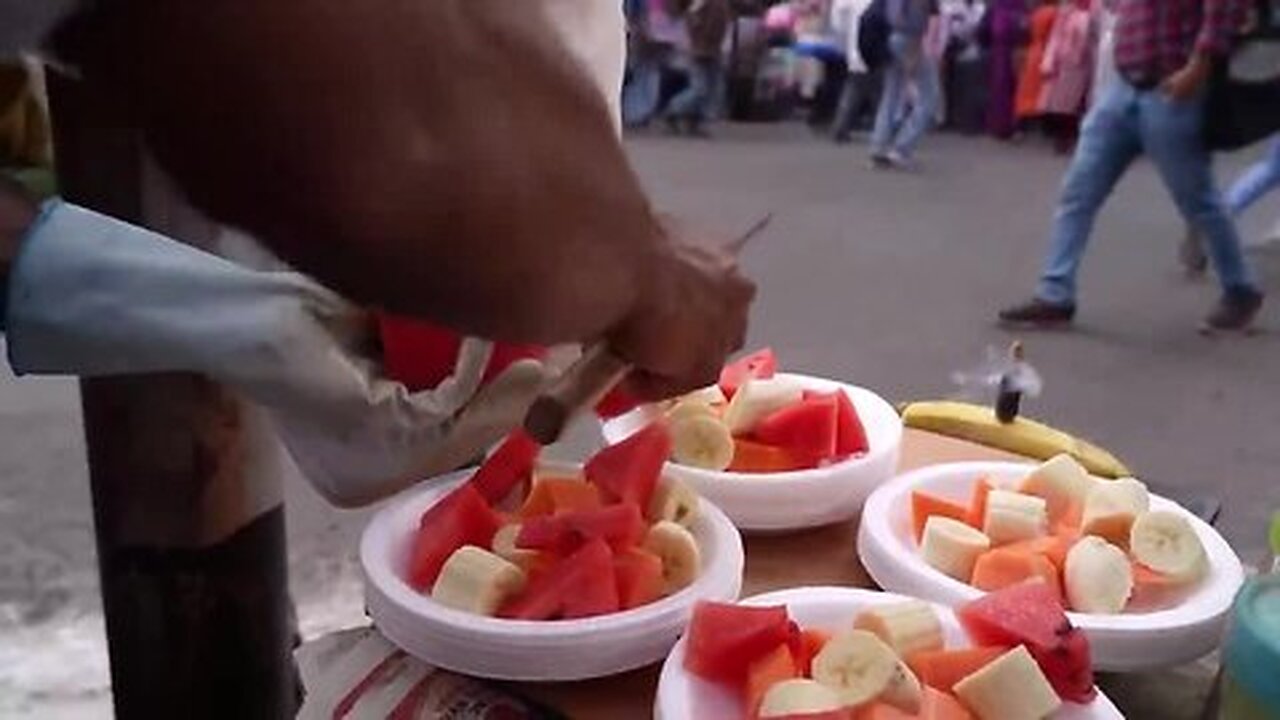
[[1259, 179], [1003, 31], [1067, 70], [706, 23], [1027, 106], [893, 144], [653, 37], [1165, 50], [965, 69], [860, 93]]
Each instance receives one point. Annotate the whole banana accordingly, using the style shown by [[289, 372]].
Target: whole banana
[[1022, 436]]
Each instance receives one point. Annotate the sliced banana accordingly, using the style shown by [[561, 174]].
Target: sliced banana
[[907, 627], [701, 441], [1098, 577], [476, 581], [690, 408], [1011, 687], [757, 399], [1061, 481], [904, 691], [675, 501], [1014, 516], [504, 546], [859, 666], [1111, 507], [709, 395], [1165, 542], [678, 550], [952, 547], [798, 697]]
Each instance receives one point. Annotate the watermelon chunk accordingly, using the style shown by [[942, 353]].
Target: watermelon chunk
[[851, 435], [629, 471], [510, 465], [723, 639], [580, 585], [1031, 614], [461, 518], [621, 526], [759, 365], [807, 429]]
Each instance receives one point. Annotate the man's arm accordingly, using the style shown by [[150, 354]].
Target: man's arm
[[1222, 21], [445, 159]]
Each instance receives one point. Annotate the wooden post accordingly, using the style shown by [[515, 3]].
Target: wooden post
[[188, 510]]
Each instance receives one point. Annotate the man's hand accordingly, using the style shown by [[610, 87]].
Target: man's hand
[[1186, 83], [692, 316]]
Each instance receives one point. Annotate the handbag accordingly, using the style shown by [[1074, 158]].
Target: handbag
[[1243, 104]]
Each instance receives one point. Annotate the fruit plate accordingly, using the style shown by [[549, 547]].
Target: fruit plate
[[800, 498], [1124, 642], [682, 696], [531, 650]]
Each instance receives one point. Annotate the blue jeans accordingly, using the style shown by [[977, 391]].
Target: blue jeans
[[1125, 123], [1261, 178], [643, 90], [907, 67], [694, 102]]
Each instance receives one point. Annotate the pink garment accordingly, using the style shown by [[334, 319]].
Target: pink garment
[[1068, 61]]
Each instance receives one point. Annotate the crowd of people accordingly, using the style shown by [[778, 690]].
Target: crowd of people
[[896, 68], [1138, 70]]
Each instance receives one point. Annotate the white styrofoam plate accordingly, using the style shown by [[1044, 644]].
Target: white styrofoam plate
[[802, 498], [527, 650], [1133, 640], [682, 696]]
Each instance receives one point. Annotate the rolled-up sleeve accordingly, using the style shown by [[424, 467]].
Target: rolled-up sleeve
[[1223, 20]]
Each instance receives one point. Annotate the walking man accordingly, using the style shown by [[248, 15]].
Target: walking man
[[893, 144], [1164, 50]]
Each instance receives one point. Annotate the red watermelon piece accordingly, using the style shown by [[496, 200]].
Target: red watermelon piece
[[621, 526], [807, 429], [461, 518], [577, 586], [639, 576], [510, 465], [759, 365], [629, 471], [1031, 614], [724, 639], [851, 436]]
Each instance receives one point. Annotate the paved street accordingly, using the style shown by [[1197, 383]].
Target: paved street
[[886, 280]]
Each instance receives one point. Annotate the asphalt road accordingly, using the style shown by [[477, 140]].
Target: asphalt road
[[888, 280]]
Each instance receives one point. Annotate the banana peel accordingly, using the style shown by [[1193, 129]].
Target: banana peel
[[978, 423]]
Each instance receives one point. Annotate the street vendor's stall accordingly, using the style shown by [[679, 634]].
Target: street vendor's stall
[[338, 680]]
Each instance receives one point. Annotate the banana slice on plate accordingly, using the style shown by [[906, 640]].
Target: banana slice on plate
[[1014, 516], [1098, 577], [757, 399], [907, 627], [1111, 507], [675, 501], [1011, 687], [952, 547], [859, 666], [690, 408], [798, 697], [709, 395], [476, 581], [1061, 481], [678, 550], [1165, 542], [701, 441]]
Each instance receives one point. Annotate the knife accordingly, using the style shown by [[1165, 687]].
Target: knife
[[598, 371]]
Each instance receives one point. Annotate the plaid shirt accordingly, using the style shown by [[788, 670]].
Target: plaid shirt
[[1156, 38]]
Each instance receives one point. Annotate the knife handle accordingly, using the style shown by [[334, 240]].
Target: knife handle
[[583, 385]]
